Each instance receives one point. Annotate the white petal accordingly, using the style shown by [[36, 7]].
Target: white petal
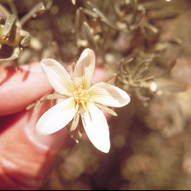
[[84, 69], [56, 118], [108, 95], [96, 128], [58, 77]]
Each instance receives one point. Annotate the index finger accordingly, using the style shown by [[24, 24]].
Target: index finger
[[19, 88]]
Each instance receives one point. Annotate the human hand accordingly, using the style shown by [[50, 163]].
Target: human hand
[[25, 158]]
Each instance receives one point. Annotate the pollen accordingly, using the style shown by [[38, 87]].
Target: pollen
[[81, 97]]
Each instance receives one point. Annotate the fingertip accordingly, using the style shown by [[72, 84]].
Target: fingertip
[[19, 88]]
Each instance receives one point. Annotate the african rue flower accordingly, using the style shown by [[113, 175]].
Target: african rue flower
[[80, 99]]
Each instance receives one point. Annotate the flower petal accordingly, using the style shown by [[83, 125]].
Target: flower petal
[[56, 118], [108, 95], [84, 69], [96, 128], [58, 77]]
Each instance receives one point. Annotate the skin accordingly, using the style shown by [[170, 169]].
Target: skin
[[25, 158]]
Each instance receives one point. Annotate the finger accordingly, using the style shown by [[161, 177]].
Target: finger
[[24, 157], [19, 88]]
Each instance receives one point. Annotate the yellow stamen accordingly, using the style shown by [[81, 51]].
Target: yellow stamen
[[81, 97]]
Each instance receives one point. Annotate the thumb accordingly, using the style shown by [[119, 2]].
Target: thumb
[[24, 157]]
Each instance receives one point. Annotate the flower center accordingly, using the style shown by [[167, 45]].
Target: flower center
[[81, 97]]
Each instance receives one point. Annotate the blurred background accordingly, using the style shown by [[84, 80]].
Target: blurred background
[[146, 44]]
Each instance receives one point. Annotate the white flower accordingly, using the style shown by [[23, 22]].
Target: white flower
[[81, 98]]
